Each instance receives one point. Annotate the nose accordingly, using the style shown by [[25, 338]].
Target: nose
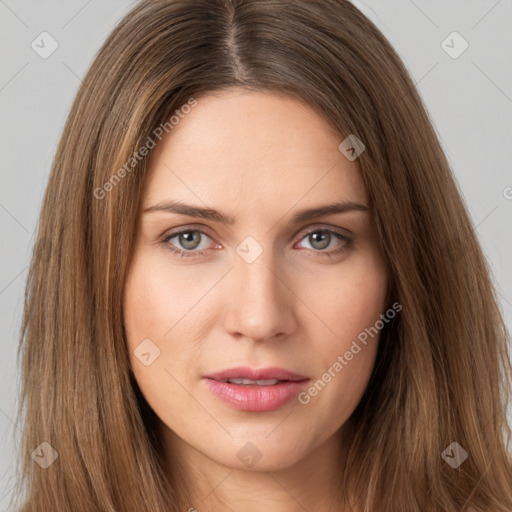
[[260, 304]]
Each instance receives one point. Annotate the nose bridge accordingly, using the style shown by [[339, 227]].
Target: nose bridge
[[260, 305]]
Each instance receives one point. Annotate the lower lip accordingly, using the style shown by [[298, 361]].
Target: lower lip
[[254, 398]]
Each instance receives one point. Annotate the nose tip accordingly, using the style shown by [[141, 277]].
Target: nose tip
[[260, 304]]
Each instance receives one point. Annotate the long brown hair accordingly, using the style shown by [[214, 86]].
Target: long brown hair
[[443, 368]]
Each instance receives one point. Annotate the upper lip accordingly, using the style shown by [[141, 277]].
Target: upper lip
[[244, 372]]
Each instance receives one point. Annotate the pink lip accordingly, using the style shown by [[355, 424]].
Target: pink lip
[[254, 398]]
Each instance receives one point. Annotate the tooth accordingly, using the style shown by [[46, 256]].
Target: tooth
[[268, 382], [265, 382], [241, 381]]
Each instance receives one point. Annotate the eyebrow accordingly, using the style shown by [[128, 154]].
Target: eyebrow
[[298, 217]]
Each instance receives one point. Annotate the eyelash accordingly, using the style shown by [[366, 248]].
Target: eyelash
[[192, 253]]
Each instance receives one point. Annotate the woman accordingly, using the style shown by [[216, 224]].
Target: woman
[[255, 285]]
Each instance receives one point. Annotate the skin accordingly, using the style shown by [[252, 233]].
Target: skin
[[260, 157]]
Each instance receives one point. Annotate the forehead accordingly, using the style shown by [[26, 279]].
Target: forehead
[[249, 148]]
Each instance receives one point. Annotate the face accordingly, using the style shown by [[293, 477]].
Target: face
[[258, 280]]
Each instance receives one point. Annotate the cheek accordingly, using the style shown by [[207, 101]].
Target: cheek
[[349, 300], [351, 312], [165, 315], [160, 333], [156, 300]]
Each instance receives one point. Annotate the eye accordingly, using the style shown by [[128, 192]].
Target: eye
[[321, 239], [187, 241]]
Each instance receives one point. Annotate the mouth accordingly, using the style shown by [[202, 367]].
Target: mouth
[[255, 390], [259, 375]]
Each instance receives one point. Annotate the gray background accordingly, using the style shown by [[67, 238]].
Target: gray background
[[469, 99]]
